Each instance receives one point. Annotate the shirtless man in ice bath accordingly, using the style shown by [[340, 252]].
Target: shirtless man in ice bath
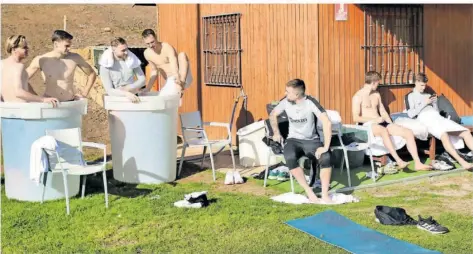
[[58, 67], [163, 59], [15, 86]]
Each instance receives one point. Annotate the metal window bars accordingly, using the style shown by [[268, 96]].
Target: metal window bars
[[394, 42], [222, 49]]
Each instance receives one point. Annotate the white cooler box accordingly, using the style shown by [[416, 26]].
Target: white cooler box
[[252, 150]]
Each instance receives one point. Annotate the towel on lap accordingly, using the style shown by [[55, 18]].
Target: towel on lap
[[377, 144]]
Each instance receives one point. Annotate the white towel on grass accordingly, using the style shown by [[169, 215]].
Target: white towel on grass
[[297, 199]]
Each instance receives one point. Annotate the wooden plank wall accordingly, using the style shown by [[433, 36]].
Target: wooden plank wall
[[449, 53], [281, 42], [341, 58]]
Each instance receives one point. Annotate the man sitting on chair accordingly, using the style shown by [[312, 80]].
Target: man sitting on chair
[[423, 106], [303, 111]]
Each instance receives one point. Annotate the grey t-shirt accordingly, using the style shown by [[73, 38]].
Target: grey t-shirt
[[415, 103], [121, 75], [302, 117]]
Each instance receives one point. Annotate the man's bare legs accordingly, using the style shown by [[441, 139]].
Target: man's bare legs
[[380, 131], [408, 135], [298, 173], [447, 144], [183, 63], [467, 138], [325, 174]]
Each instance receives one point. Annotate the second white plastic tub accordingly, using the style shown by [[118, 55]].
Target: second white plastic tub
[[143, 137]]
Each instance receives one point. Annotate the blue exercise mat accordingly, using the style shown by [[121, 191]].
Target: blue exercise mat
[[337, 230]]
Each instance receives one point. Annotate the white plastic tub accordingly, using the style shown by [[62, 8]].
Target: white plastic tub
[[22, 124], [143, 137], [252, 150]]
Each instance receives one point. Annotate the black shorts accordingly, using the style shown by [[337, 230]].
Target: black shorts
[[296, 148], [384, 124]]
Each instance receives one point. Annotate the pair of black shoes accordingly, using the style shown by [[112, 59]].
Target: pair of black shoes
[[397, 216]]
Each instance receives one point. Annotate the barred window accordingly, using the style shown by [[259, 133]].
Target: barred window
[[394, 42], [222, 50]]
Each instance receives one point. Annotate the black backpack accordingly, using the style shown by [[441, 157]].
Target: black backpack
[[447, 110], [387, 215]]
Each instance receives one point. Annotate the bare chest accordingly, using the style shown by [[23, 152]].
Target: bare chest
[[161, 60], [58, 68], [369, 101]]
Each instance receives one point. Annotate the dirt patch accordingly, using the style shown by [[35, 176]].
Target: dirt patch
[[87, 24], [456, 192], [192, 173]]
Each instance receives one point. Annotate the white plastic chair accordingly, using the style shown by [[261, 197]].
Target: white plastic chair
[[337, 130], [357, 147], [194, 135], [68, 160]]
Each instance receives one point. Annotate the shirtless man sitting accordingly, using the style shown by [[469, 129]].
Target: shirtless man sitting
[[15, 86], [368, 109], [58, 67], [162, 58]]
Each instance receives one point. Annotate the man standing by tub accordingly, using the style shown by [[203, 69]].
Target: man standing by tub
[[163, 59], [15, 86], [58, 67]]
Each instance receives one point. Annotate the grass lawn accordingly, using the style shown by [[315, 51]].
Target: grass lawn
[[241, 219]]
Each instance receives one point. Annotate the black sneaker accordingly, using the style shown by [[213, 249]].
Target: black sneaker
[[431, 225], [197, 197], [464, 156]]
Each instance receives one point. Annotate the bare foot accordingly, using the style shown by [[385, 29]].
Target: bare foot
[[402, 164], [422, 167], [312, 197], [327, 200]]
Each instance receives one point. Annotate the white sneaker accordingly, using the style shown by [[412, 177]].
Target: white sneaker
[[187, 204], [440, 165], [237, 177], [229, 178]]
